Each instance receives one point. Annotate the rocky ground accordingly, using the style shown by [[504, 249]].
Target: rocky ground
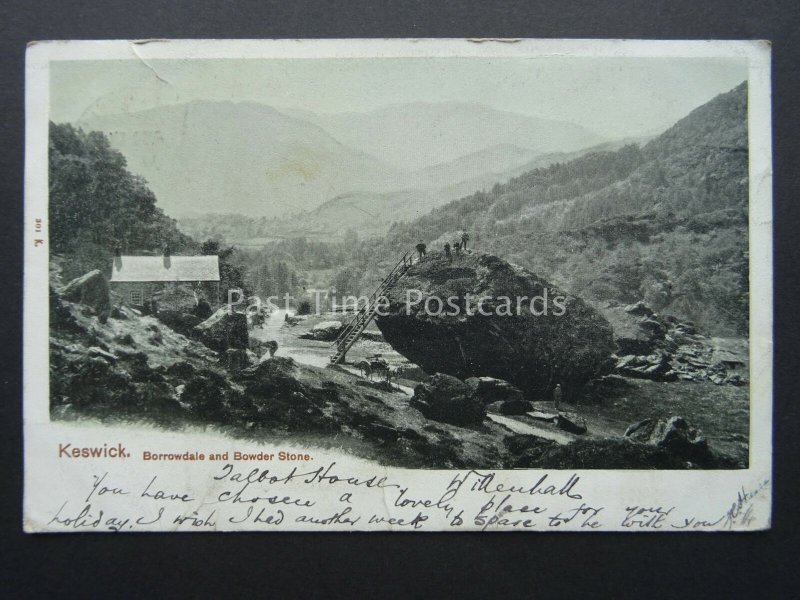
[[112, 364], [659, 348]]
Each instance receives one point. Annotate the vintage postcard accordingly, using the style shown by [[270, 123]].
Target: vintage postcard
[[406, 285]]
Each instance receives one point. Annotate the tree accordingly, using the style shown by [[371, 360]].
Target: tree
[[95, 204]]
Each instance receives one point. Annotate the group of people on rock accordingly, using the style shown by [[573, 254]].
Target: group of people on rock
[[459, 246]]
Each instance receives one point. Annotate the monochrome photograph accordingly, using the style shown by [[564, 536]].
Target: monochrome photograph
[[460, 258]]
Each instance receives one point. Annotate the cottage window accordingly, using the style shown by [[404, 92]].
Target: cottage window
[[137, 297]]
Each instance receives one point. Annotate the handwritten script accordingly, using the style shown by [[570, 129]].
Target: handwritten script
[[237, 496]]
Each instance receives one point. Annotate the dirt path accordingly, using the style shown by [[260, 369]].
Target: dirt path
[[527, 429]]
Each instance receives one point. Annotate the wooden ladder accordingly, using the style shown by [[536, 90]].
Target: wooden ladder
[[350, 334]]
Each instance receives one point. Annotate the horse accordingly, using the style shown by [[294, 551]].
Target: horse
[[392, 374], [373, 366], [381, 369], [364, 367]]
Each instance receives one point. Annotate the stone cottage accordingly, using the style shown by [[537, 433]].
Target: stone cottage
[[169, 282]]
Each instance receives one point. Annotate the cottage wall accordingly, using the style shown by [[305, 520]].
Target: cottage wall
[[168, 296]]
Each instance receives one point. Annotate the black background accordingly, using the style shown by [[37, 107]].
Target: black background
[[409, 565]]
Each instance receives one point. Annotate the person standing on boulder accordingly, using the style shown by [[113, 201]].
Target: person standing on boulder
[[447, 251], [464, 240], [421, 248]]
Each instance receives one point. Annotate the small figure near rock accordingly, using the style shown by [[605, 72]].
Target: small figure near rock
[[464, 240], [447, 252], [457, 246], [421, 249], [558, 395]]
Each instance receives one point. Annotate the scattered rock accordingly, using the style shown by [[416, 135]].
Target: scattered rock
[[639, 309], [181, 369], [637, 329], [293, 320], [570, 425], [92, 291], [126, 339], [203, 310], [510, 407], [655, 366], [263, 349], [675, 435], [224, 329], [136, 364], [327, 331], [448, 399], [118, 314], [490, 390], [205, 395], [236, 359], [60, 316], [180, 322], [666, 349], [100, 353], [543, 416]]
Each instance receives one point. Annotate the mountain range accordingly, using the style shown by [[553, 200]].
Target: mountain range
[[417, 135], [249, 158], [374, 213]]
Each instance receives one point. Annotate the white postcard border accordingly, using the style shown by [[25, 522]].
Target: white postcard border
[[696, 495]]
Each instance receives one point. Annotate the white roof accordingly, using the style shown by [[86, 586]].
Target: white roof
[[169, 268]]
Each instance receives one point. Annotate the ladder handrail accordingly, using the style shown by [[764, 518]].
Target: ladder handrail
[[362, 313], [362, 316]]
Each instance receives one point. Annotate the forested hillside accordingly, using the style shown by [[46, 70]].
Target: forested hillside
[[666, 223], [97, 204], [373, 213]]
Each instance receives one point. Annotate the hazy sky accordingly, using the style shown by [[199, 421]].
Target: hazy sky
[[615, 97]]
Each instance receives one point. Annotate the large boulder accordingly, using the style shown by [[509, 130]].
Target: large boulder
[[448, 399], [223, 330], [327, 331], [90, 290], [554, 337]]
